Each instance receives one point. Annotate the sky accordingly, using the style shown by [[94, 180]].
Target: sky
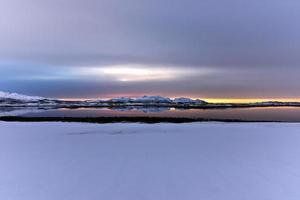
[[214, 49]]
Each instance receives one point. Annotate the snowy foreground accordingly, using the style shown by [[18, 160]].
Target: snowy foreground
[[196, 161]]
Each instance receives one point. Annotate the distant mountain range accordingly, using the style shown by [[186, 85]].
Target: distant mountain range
[[19, 100], [18, 97]]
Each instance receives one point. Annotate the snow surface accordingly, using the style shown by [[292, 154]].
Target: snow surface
[[7, 95], [194, 161]]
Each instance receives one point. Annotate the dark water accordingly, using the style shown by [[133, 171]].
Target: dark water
[[287, 114]]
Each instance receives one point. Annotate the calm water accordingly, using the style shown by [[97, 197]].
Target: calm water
[[261, 114]]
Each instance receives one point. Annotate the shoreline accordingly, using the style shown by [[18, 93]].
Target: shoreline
[[146, 120]]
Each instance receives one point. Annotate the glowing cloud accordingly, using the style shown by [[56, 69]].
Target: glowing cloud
[[137, 74], [130, 73]]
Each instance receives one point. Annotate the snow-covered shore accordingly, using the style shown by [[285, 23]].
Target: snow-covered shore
[[210, 161]]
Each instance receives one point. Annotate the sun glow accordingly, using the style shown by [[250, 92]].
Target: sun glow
[[139, 73]]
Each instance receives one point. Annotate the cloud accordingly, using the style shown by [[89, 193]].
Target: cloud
[[233, 33], [141, 73], [208, 47]]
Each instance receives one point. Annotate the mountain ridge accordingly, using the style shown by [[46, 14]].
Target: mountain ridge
[[19, 100]]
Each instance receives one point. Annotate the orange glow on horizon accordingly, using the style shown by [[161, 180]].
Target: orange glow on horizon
[[250, 100]]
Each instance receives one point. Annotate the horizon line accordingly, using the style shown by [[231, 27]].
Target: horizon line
[[209, 100]]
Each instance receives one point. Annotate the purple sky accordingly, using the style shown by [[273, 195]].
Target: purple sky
[[198, 48]]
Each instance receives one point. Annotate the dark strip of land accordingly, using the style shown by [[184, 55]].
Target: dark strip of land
[[102, 120]]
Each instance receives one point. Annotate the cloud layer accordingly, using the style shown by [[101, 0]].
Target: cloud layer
[[208, 48]]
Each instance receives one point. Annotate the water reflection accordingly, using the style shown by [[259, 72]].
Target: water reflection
[[255, 114], [9, 111]]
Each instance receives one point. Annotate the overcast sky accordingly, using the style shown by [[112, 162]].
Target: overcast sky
[[197, 48]]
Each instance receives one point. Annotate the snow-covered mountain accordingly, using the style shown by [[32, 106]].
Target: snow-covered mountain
[[183, 100], [19, 97], [152, 99], [18, 100], [120, 100], [144, 99]]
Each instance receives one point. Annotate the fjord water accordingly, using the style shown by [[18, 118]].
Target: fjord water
[[285, 114]]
